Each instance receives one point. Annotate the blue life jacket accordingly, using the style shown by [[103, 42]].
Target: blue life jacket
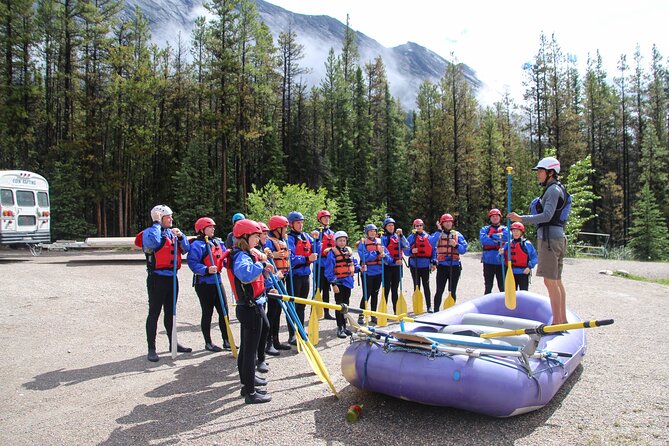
[[562, 209]]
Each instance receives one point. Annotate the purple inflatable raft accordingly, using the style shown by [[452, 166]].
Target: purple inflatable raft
[[451, 366]]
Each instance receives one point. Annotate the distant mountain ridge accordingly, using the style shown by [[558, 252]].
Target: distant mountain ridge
[[407, 65]]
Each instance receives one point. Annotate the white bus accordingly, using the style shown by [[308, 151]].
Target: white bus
[[25, 212]]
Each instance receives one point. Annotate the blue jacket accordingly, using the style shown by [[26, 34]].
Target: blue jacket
[[246, 270], [195, 259], [152, 238], [462, 248], [370, 256], [329, 265], [299, 264], [532, 258], [420, 262], [385, 239], [492, 256]]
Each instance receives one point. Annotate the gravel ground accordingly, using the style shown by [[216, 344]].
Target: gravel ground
[[75, 369]]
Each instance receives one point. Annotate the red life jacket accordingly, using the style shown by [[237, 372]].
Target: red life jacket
[[519, 256], [373, 245], [446, 251], [281, 247], [491, 231], [217, 252], [302, 247], [249, 291], [394, 247], [344, 266], [422, 244], [162, 258], [327, 242]]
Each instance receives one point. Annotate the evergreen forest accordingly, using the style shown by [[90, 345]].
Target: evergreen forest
[[118, 124]]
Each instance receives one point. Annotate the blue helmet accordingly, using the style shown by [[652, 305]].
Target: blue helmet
[[387, 221], [295, 216], [370, 227], [238, 216]]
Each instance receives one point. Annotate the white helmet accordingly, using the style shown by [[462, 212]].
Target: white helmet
[[160, 211], [548, 163], [340, 234]]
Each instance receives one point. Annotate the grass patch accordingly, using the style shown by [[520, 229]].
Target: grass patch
[[662, 281]]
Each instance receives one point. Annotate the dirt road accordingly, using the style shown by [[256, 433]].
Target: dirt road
[[75, 370]]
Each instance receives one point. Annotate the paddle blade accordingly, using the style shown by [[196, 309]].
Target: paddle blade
[[382, 321], [417, 299], [174, 336], [510, 289], [231, 339], [401, 307], [449, 302], [312, 329], [319, 310], [318, 365]]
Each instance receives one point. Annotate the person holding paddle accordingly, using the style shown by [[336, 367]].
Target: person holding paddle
[[340, 266], [492, 237], [372, 254], [422, 257], [324, 237], [158, 243], [395, 242], [205, 276], [550, 212], [247, 268], [523, 256], [450, 245], [276, 242]]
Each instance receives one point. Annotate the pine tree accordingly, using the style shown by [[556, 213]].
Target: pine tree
[[648, 234], [578, 185]]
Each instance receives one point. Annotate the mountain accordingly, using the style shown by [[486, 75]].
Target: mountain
[[407, 65]]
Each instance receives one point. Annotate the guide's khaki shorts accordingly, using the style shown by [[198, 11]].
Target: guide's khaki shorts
[[551, 256]]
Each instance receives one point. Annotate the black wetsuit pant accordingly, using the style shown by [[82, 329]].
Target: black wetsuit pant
[[251, 324], [209, 299], [446, 274], [391, 283], [274, 318], [490, 272], [373, 287], [522, 281], [423, 275], [301, 284], [342, 297], [160, 289]]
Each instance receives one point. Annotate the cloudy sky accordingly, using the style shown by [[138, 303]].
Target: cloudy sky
[[496, 37]]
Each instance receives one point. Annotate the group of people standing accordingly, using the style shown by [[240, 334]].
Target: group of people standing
[[257, 255]]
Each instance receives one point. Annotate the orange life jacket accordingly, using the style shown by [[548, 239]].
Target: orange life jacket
[[281, 247], [446, 251], [344, 266]]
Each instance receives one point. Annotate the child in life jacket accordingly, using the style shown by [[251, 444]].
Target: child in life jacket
[[396, 243], [449, 245], [492, 237], [276, 243], [324, 238], [340, 266], [422, 257], [205, 276], [523, 256], [372, 255]]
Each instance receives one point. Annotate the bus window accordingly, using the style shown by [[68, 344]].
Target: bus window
[[43, 199], [25, 198], [27, 220], [6, 197]]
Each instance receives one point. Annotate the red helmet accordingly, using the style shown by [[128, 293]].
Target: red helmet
[[263, 226], [494, 211], [518, 225], [445, 218], [418, 221], [203, 222], [322, 213], [277, 221], [246, 227]]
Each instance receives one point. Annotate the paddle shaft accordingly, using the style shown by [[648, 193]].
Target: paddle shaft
[[173, 337], [548, 329], [222, 299]]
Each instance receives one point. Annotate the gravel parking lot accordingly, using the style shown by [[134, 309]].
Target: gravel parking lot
[[75, 368]]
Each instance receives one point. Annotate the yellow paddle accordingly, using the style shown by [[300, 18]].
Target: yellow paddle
[[312, 329], [449, 302], [222, 299], [401, 307], [547, 329], [510, 281]]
